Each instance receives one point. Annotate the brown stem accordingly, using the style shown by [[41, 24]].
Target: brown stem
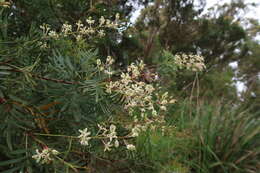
[[38, 76]]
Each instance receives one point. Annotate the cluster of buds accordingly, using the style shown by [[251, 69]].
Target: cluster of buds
[[43, 45], [164, 100], [45, 156], [106, 67], [91, 28], [190, 62]]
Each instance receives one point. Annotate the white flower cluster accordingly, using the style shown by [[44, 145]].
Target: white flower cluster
[[139, 95], [191, 62], [45, 156], [106, 67], [109, 136], [113, 138], [81, 31], [141, 99]]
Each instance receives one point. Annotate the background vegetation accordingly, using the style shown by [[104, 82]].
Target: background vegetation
[[51, 86]]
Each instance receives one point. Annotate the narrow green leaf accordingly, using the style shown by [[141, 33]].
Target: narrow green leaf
[[12, 170], [8, 162]]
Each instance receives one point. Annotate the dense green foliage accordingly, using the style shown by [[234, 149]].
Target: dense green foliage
[[52, 86]]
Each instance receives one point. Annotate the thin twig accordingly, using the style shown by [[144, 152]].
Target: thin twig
[[38, 76]]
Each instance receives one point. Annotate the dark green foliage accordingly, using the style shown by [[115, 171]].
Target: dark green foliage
[[212, 139], [47, 92], [227, 139]]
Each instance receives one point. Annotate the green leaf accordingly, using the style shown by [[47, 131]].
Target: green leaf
[[12, 170], [4, 73], [8, 162], [4, 67], [15, 98], [17, 152], [9, 140]]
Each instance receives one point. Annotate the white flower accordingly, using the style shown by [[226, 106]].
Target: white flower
[[112, 133], [130, 147], [66, 28], [79, 25], [164, 102], [38, 156], [109, 60], [101, 33], [45, 156], [107, 146], [163, 108], [79, 37], [135, 131], [45, 28], [43, 45], [112, 128], [154, 113], [117, 16], [101, 68], [84, 136], [101, 128], [165, 95], [108, 72], [116, 143], [172, 101], [102, 21], [53, 34], [149, 88], [90, 21], [98, 62], [55, 152], [90, 31]]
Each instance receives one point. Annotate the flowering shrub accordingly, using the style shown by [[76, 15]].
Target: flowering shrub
[[142, 102], [76, 90], [83, 91]]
